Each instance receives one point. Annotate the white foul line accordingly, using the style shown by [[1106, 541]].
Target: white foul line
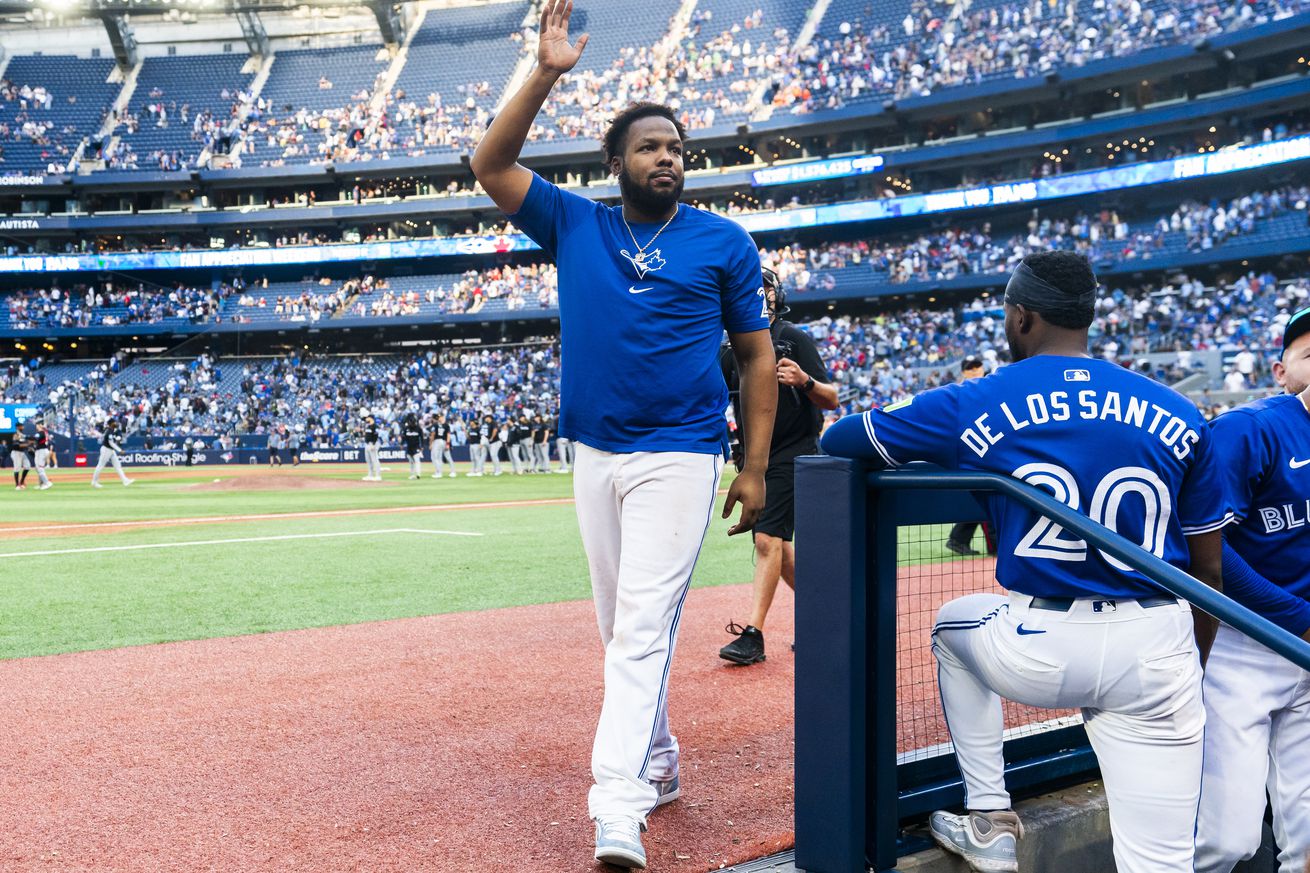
[[313, 536]]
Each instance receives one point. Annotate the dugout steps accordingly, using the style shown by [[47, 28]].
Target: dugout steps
[[1067, 831]]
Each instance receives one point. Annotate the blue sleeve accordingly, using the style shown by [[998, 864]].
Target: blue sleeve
[[922, 428], [744, 306], [548, 213], [1203, 501], [1243, 584], [1236, 437]]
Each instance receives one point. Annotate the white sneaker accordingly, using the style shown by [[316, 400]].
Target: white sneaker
[[128, 482], [46, 485], [436, 475], [618, 842], [96, 485], [987, 841]]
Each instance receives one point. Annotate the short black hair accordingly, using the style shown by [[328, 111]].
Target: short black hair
[[618, 129], [970, 364], [1072, 273]]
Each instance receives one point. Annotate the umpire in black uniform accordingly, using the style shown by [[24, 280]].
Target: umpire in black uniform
[[804, 390]]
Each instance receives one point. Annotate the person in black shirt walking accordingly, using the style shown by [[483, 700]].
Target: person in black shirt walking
[[803, 392], [371, 459], [496, 440], [111, 446], [18, 456], [540, 445], [41, 446], [413, 437], [439, 446]]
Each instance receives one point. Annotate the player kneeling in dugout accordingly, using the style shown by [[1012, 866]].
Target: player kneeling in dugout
[[1077, 628]]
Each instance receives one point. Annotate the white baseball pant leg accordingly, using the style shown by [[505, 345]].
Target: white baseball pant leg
[[1136, 675], [516, 458], [478, 454], [416, 464], [372, 460], [562, 449], [543, 457], [108, 456], [495, 457], [1257, 739], [42, 461], [643, 518]]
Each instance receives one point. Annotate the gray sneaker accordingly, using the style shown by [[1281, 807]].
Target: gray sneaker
[[618, 842], [988, 841], [668, 789]]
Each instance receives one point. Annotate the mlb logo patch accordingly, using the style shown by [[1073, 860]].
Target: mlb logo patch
[[1077, 376]]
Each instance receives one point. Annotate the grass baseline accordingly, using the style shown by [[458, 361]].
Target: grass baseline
[[527, 555]]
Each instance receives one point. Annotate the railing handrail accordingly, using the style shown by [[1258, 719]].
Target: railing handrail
[[1175, 580]]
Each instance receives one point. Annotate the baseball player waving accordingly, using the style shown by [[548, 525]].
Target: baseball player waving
[[1257, 732], [1078, 628], [646, 289]]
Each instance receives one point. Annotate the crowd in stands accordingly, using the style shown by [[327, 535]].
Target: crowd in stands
[[940, 44], [1161, 329], [324, 399], [929, 256], [113, 303], [30, 106]]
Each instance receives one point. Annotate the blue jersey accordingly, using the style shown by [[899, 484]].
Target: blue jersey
[[640, 331], [1266, 450], [1128, 452]]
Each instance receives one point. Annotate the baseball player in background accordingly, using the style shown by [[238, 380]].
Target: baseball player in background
[[111, 446], [479, 440], [646, 289], [41, 444], [563, 448], [519, 431], [18, 457], [412, 435], [371, 459], [495, 440], [439, 447], [1257, 732], [1078, 628]]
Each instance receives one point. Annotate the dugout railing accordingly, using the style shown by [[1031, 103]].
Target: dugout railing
[[871, 752]]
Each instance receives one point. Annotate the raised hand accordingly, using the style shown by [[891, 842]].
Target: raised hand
[[554, 54]]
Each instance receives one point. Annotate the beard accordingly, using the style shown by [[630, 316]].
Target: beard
[[644, 198]]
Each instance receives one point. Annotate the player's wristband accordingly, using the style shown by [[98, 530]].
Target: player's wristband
[[808, 386]]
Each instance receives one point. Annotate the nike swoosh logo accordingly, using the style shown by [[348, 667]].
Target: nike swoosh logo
[[1296, 465], [1023, 631], [634, 290]]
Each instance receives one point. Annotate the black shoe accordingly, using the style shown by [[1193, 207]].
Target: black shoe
[[748, 648], [959, 549]]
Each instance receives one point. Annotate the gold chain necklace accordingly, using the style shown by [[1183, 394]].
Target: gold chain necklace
[[639, 260]]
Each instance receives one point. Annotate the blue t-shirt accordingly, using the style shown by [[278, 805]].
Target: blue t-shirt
[[1266, 450], [1128, 452], [640, 336]]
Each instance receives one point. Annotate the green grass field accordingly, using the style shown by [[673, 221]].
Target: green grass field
[[109, 587]]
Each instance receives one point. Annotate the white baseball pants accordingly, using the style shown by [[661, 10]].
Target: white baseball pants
[[441, 455], [516, 457], [372, 460], [564, 448], [494, 451], [643, 518], [108, 456], [1257, 739], [1136, 674], [415, 463], [42, 461]]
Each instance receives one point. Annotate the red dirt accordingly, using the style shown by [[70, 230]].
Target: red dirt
[[449, 743]]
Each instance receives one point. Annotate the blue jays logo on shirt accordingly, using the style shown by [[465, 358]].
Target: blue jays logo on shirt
[[644, 262]]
